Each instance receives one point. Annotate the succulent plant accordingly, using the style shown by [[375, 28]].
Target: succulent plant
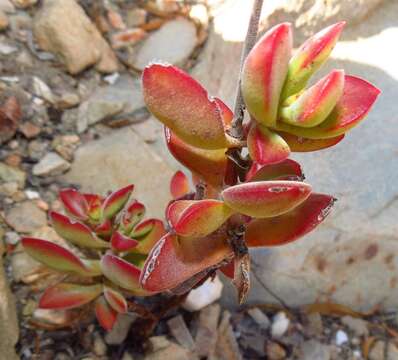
[[237, 202]]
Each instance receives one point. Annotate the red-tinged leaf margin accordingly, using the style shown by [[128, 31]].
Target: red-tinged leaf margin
[[283, 170], [122, 273], [291, 226], [146, 242], [119, 242], [179, 185], [106, 316], [75, 203], [115, 201], [116, 300], [75, 232], [67, 296], [54, 256], [300, 144]]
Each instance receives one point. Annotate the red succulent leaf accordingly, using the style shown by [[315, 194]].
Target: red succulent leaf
[[210, 165], [300, 144], [172, 262], [283, 170], [266, 147], [122, 273], [266, 198], [184, 106], [202, 217], [74, 203], [94, 206], [68, 296], [226, 113], [291, 226], [120, 242], [175, 209], [116, 300], [147, 241], [229, 269], [106, 315], [310, 57], [132, 216], [115, 201], [264, 73], [179, 185], [356, 101], [75, 232], [54, 256], [314, 105], [105, 229]]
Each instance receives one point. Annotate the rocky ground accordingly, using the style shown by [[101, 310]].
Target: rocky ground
[[72, 114]]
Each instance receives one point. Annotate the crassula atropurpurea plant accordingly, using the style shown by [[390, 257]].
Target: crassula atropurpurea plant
[[238, 202]]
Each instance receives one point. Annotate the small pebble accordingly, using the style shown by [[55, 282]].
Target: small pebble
[[280, 325], [341, 337]]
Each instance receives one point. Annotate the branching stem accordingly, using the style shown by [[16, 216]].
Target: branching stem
[[251, 36]]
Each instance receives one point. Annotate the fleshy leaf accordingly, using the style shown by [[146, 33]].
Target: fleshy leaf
[[310, 57], [147, 241], [121, 273], [289, 227], [202, 217], [116, 300], [179, 185], [105, 229], [263, 199], [316, 103], [266, 147], [300, 144], [74, 203], [356, 101], [285, 169], [120, 242], [229, 269], [132, 216], [94, 206], [210, 165], [75, 232], [54, 256], [264, 73], [105, 314], [115, 201], [175, 209], [184, 106], [226, 113], [170, 262], [68, 296]]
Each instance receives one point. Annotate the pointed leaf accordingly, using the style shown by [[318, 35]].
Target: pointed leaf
[[116, 300], [132, 216], [170, 263], [184, 106], [210, 165], [120, 242], [310, 57], [68, 296], [74, 203], [263, 199], [356, 101], [105, 314], [264, 73], [226, 113], [105, 229], [54, 256], [285, 169], [300, 144], [179, 185], [121, 273], [266, 147], [315, 104], [146, 242], [75, 232], [291, 226], [94, 206], [115, 201], [202, 218]]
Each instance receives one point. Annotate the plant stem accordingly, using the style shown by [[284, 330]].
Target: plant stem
[[251, 36]]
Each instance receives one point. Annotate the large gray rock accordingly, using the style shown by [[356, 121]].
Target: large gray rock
[[8, 318], [117, 160], [63, 28], [351, 258]]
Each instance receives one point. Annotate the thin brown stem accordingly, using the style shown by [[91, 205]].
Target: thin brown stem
[[251, 36]]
